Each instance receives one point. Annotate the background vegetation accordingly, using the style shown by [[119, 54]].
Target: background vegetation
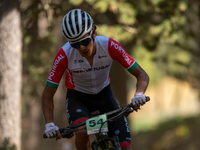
[[162, 35]]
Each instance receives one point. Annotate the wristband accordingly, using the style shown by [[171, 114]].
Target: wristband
[[49, 125], [139, 93]]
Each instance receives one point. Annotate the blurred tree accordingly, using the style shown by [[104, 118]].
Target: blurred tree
[[10, 74]]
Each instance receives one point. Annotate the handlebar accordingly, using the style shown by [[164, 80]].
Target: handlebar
[[123, 111]]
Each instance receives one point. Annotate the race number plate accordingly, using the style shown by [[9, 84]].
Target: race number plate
[[94, 124]]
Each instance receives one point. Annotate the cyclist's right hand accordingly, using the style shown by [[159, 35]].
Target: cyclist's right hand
[[138, 99], [52, 131]]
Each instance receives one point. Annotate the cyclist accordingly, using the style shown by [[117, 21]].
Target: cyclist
[[87, 59]]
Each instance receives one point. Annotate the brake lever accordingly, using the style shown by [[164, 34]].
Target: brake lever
[[57, 138], [136, 108]]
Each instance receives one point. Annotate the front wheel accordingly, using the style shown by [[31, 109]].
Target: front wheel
[[106, 144]]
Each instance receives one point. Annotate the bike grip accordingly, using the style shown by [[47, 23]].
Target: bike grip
[[147, 98], [45, 136]]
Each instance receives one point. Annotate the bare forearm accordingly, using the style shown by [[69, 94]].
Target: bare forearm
[[142, 79], [47, 105], [48, 108], [142, 83]]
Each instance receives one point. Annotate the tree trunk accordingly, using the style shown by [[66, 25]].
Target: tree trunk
[[10, 74]]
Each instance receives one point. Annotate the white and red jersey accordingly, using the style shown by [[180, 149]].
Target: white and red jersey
[[80, 75]]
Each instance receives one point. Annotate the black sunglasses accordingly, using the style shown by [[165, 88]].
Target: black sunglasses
[[85, 41]]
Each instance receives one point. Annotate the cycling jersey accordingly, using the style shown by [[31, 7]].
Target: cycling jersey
[[80, 75]]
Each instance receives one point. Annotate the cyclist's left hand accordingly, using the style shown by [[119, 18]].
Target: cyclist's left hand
[[138, 99]]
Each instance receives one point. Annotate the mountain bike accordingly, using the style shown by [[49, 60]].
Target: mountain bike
[[98, 125]]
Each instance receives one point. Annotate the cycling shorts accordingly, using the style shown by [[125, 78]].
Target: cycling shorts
[[79, 106]]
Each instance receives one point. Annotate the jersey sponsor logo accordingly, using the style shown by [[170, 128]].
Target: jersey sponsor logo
[[91, 69], [102, 56], [117, 132], [122, 51], [56, 62], [78, 110], [78, 61], [70, 77], [127, 127], [67, 111], [76, 71]]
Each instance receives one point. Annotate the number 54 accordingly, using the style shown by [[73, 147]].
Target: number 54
[[93, 123]]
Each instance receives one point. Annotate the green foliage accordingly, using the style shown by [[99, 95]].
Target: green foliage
[[145, 60], [101, 5], [126, 13], [76, 2], [37, 63], [177, 60], [114, 32]]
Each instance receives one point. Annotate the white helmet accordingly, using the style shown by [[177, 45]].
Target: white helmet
[[76, 24]]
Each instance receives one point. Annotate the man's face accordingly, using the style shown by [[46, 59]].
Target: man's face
[[85, 51]]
